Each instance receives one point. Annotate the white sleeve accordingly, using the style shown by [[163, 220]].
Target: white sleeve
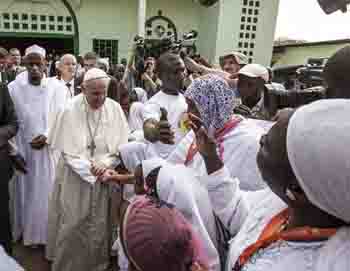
[[80, 166], [7, 263], [56, 105], [227, 199]]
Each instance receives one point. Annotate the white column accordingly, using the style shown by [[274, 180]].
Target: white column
[[141, 17]]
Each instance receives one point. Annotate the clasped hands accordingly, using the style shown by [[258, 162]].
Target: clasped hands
[[105, 175], [38, 142]]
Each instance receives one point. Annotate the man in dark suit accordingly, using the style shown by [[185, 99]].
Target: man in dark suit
[[3, 62], [14, 64], [8, 129]]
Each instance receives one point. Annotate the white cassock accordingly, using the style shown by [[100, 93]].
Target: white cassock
[[239, 149], [176, 106], [79, 217], [36, 107]]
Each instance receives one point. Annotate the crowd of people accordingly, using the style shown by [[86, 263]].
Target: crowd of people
[[177, 165]]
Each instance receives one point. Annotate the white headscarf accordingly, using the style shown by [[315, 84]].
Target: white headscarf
[[317, 144], [151, 164], [133, 153], [177, 185], [141, 95], [136, 116]]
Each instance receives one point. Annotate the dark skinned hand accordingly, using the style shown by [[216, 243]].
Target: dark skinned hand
[[206, 145], [166, 135], [38, 142], [242, 110]]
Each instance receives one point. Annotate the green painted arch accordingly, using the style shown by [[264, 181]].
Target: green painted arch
[[76, 25], [75, 37]]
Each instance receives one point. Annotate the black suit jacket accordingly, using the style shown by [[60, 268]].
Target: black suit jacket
[[8, 129]]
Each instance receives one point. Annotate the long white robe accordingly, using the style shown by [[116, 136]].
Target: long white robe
[[79, 219], [240, 148], [36, 107]]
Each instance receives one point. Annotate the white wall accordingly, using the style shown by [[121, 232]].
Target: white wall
[[107, 19], [266, 31]]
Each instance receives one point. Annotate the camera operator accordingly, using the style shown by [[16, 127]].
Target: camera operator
[[230, 65], [251, 84], [140, 71], [149, 80]]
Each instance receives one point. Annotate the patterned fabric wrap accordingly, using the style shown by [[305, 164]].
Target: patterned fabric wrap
[[214, 100], [157, 237]]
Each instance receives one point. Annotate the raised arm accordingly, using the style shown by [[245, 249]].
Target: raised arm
[[224, 192]]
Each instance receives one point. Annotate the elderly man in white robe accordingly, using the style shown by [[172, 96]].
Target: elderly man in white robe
[[37, 101], [88, 133]]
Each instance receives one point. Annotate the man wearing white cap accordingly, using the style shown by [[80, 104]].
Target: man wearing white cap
[[251, 81], [88, 133], [37, 102]]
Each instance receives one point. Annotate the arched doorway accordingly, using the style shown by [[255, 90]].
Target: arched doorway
[[50, 23]]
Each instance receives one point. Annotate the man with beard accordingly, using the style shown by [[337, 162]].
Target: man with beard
[[36, 100]]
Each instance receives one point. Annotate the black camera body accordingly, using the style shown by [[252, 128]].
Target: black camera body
[[145, 48]]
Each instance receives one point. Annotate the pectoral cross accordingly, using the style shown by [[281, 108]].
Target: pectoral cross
[[92, 148]]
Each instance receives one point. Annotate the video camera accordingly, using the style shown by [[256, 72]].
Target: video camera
[[153, 48], [330, 6]]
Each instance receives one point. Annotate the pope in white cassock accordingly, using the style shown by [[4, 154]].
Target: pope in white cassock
[[88, 132], [37, 102]]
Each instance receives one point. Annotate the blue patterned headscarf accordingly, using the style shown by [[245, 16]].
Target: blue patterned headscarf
[[214, 99]]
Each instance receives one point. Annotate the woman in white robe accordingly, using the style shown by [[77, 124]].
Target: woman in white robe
[[289, 228], [210, 99]]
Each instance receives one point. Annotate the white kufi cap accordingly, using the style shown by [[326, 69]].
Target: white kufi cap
[[35, 49]]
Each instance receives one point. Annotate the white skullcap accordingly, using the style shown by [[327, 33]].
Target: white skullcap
[[95, 74], [317, 144], [35, 49], [255, 71], [151, 164]]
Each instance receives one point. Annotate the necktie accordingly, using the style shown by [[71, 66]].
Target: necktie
[[68, 86]]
